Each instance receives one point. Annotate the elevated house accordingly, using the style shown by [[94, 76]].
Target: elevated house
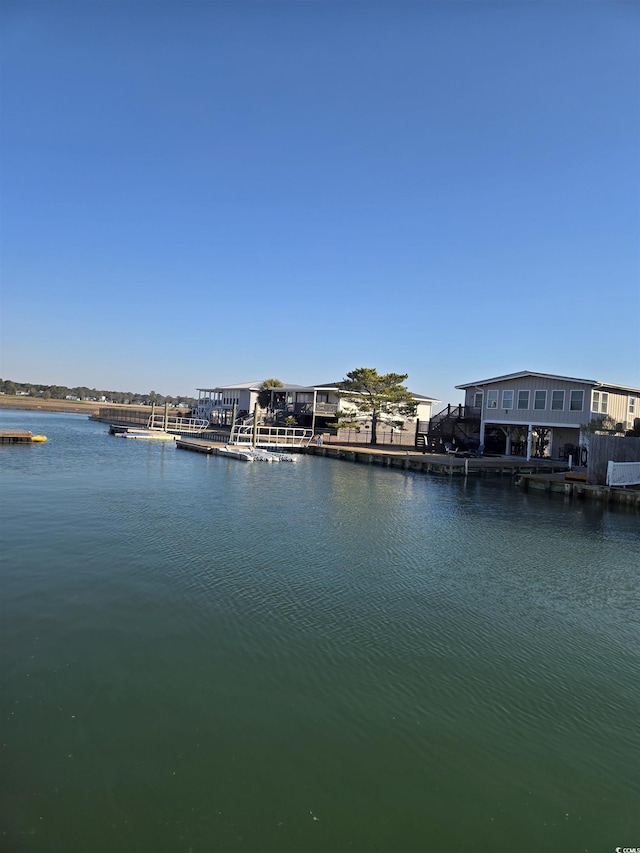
[[534, 414], [218, 405], [312, 406]]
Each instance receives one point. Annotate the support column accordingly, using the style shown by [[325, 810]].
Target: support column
[[313, 416], [529, 440], [508, 446]]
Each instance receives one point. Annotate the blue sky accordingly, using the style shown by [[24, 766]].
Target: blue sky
[[200, 193]]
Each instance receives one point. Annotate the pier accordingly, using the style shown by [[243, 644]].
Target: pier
[[20, 437], [547, 475], [437, 463]]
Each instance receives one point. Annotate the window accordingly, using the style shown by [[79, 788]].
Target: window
[[557, 401], [576, 401], [492, 399], [632, 407], [600, 402], [539, 399], [523, 399], [507, 399], [477, 400]]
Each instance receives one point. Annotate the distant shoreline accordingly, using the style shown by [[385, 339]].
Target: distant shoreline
[[37, 404]]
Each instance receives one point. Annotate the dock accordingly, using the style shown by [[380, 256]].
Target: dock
[[575, 486], [547, 475], [243, 452], [20, 437], [437, 463]]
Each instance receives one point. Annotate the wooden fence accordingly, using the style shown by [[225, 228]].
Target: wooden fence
[[609, 448]]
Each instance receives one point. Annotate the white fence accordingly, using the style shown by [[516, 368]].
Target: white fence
[[623, 473]]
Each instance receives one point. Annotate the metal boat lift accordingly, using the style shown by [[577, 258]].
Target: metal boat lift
[[271, 437]]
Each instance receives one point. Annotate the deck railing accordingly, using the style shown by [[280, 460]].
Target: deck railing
[[178, 424]]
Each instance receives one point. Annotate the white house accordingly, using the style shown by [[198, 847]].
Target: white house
[[217, 404], [312, 406]]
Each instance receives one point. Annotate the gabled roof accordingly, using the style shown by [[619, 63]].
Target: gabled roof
[[596, 383]]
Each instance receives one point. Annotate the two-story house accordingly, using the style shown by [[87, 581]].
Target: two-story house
[[313, 406], [317, 405], [541, 414], [217, 404]]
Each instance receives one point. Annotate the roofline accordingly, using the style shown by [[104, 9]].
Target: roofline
[[257, 386], [597, 383]]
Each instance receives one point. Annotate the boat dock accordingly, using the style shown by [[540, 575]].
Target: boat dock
[[548, 475], [437, 463], [20, 437], [244, 452], [576, 486]]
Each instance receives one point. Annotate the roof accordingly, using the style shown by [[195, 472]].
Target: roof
[[326, 386], [239, 386], [521, 374]]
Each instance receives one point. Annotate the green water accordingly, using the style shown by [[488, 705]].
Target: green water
[[201, 654]]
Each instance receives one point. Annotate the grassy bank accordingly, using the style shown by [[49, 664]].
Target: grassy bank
[[8, 401]]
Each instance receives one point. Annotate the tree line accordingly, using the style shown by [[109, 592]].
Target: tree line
[[81, 392]]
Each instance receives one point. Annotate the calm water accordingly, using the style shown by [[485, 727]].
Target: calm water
[[205, 655]]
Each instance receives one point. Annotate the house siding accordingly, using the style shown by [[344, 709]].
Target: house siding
[[618, 407], [546, 416]]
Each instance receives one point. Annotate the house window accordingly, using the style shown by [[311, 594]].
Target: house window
[[557, 401], [576, 401], [507, 399], [477, 400], [492, 399], [600, 402], [539, 399], [523, 399], [632, 407]]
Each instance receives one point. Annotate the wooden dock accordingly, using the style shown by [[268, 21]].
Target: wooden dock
[[437, 463], [20, 437], [548, 475], [199, 445], [573, 486]]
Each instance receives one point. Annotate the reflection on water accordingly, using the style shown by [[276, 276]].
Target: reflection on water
[[202, 654]]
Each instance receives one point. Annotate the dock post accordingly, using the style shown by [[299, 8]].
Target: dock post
[[255, 425]]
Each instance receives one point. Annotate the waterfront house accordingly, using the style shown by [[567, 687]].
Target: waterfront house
[[541, 414], [317, 406], [217, 404], [312, 406]]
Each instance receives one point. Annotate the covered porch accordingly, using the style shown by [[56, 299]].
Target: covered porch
[[532, 440]]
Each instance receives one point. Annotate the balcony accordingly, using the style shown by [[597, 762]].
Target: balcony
[[305, 408]]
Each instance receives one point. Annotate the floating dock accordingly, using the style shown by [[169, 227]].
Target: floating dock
[[147, 434], [243, 452], [20, 437]]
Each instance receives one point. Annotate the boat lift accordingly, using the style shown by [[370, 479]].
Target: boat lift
[[270, 437]]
